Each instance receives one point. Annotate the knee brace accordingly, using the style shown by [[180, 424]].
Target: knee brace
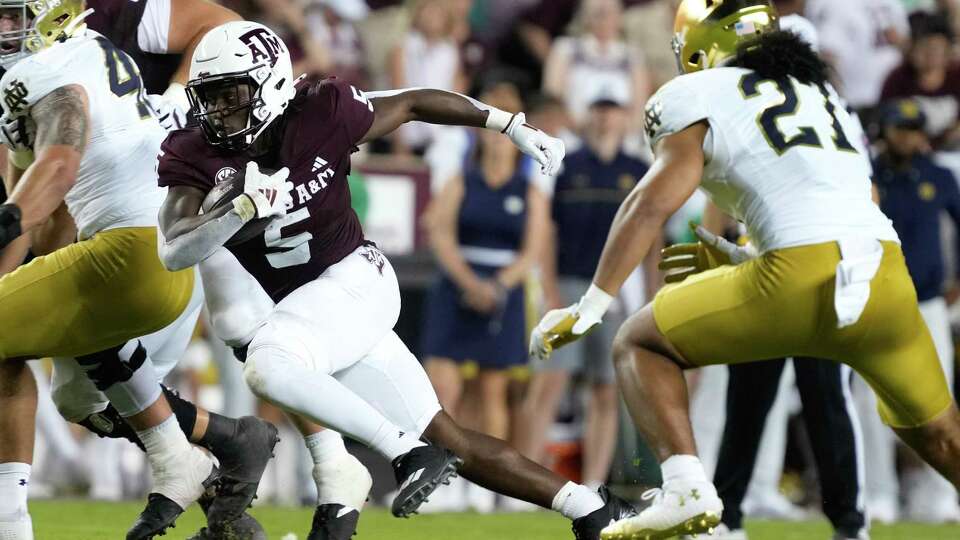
[[125, 374]]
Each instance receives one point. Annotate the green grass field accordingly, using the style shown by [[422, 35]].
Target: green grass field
[[80, 520]]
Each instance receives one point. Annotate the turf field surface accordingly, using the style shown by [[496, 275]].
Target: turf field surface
[[83, 520]]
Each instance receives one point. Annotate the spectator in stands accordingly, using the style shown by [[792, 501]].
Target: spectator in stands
[[930, 73], [331, 23], [578, 69], [914, 194], [480, 226], [586, 196], [527, 46], [429, 57], [862, 40]]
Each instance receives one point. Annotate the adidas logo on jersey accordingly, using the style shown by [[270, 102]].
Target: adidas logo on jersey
[[305, 192]]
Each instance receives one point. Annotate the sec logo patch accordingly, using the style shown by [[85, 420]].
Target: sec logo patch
[[224, 173]]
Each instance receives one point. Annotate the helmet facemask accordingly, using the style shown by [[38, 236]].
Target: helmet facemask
[[38, 24], [16, 31], [230, 107]]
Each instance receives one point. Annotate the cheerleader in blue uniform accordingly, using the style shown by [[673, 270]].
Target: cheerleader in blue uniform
[[484, 228]]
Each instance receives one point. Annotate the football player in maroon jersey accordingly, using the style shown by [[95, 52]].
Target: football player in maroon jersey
[[326, 350]]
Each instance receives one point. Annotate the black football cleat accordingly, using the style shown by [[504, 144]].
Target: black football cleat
[[334, 522], [589, 526], [419, 472], [246, 527], [241, 466]]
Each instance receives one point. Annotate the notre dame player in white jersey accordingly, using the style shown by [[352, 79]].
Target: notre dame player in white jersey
[[74, 112], [754, 122]]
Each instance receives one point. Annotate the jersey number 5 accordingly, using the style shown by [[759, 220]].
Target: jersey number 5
[[123, 75], [750, 86]]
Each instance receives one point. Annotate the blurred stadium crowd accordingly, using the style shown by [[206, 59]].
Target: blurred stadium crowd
[[483, 244]]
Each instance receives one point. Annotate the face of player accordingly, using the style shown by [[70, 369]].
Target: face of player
[[11, 22], [228, 106], [906, 143]]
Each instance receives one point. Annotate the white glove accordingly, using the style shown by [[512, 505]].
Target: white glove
[[547, 150], [170, 115], [561, 326], [737, 254], [270, 193]]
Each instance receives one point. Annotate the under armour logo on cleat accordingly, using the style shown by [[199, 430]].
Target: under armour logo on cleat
[[401, 435], [23, 482]]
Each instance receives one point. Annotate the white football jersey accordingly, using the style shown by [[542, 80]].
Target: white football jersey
[[117, 182], [784, 158]]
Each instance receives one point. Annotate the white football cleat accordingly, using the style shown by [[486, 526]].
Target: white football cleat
[[342, 480], [680, 507], [21, 529]]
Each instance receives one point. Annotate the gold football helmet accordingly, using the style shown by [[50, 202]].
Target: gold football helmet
[[41, 24], [707, 32]]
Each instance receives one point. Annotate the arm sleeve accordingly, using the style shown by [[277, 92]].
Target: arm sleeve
[[153, 33], [672, 109]]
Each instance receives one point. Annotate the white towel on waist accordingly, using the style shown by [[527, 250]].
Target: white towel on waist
[[860, 260]]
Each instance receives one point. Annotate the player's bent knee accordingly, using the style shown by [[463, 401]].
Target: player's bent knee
[[256, 373]]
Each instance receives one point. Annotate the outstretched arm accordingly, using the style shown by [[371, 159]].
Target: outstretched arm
[[671, 180], [397, 107], [62, 118]]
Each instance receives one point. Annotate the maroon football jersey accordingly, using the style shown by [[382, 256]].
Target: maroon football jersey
[[321, 129]]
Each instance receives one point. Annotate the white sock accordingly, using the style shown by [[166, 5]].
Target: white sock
[[164, 441], [282, 379], [575, 501], [325, 446], [14, 483], [682, 467]]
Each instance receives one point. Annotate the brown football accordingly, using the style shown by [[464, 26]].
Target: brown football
[[223, 193]]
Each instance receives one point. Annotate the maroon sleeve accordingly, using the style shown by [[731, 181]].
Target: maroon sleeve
[[174, 168], [352, 109], [341, 109]]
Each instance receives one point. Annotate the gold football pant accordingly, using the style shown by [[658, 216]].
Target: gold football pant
[[90, 296], [781, 305]]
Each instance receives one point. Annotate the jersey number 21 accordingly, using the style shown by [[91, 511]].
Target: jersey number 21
[[767, 120]]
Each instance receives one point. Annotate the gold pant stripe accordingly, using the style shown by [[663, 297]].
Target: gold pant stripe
[[781, 305], [90, 296]]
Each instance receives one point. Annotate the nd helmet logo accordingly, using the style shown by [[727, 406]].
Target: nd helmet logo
[[263, 45]]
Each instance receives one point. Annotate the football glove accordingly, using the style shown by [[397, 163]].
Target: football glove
[[270, 193], [561, 326], [168, 113], [547, 150], [9, 224], [684, 260]]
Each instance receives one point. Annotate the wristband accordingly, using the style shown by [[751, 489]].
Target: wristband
[[498, 120], [244, 207], [594, 303]]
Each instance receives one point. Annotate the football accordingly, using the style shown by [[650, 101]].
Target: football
[[223, 193]]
